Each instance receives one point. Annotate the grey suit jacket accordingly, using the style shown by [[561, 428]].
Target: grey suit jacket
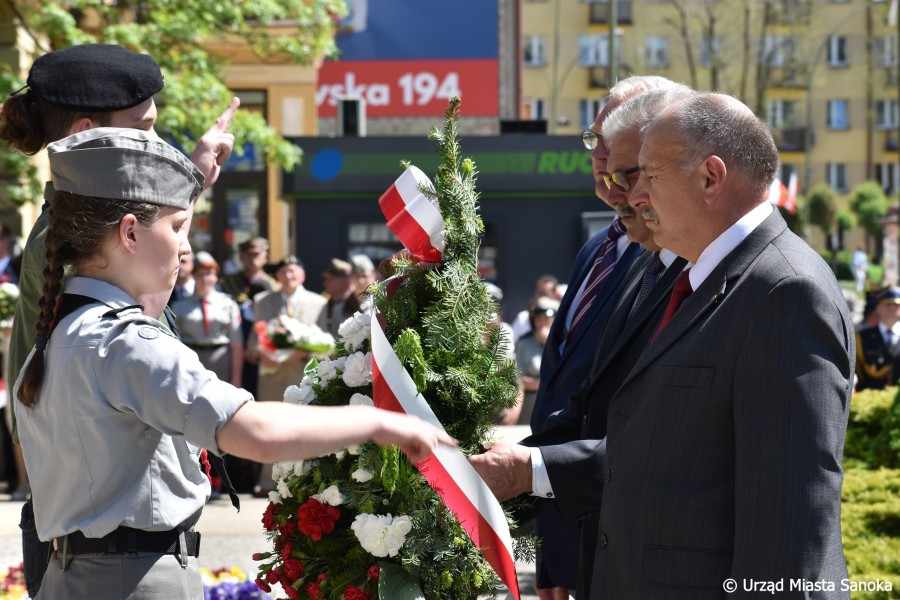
[[724, 443], [269, 305]]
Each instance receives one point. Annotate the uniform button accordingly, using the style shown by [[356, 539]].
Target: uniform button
[[549, 494], [603, 540], [608, 476]]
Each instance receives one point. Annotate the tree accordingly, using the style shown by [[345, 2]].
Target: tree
[[176, 34], [822, 211], [869, 204]]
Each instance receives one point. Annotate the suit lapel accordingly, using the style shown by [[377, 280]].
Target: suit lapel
[[712, 291]]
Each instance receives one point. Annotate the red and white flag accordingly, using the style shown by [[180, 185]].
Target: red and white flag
[[786, 197], [412, 217], [446, 470]]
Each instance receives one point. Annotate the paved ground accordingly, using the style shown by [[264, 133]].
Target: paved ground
[[229, 538]]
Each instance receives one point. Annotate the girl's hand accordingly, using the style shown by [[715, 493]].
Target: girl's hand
[[416, 438]]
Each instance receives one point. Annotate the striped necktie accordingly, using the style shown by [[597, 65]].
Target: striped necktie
[[654, 268], [603, 266]]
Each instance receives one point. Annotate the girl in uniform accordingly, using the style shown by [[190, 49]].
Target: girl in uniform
[[113, 410]]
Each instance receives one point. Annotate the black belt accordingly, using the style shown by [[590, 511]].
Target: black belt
[[126, 540], [207, 346]]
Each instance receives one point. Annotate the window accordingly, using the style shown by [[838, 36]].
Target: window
[[535, 50], [706, 57], [836, 175], [778, 50], [886, 114], [838, 51], [593, 50], [588, 110], [656, 51], [885, 51], [785, 172], [888, 175], [781, 114], [535, 109], [838, 117]]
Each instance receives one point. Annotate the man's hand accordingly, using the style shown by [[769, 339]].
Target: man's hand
[[215, 146], [505, 468]]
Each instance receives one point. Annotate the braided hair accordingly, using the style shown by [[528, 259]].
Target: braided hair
[[79, 226], [28, 122]]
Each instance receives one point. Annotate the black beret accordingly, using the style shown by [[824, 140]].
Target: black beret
[[95, 78]]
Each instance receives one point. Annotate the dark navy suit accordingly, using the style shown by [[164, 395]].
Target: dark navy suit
[[561, 376]]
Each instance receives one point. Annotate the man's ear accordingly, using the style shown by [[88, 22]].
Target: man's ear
[[715, 173], [128, 232]]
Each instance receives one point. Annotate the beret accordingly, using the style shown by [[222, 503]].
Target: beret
[[95, 77], [124, 164]]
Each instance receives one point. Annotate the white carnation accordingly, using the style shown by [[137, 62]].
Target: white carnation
[[361, 399], [302, 394], [339, 363], [331, 496], [355, 330], [274, 497], [381, 535], [280, 469], [326, 370], [353, 449], [283, 489], [361, 475], [358, 369], [340, 454], [302, 467]]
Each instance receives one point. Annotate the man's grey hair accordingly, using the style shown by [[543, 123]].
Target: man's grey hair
[[710, 124], [637, 84], [638, 111]]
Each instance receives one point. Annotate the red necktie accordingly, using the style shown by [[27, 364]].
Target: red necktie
[[603, 266], [680, 291], [205, 316]]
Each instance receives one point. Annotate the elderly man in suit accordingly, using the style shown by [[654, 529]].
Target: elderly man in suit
[[724, 442], [562, 463]]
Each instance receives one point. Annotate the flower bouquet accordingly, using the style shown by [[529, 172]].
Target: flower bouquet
[[9, 296], [283, 335], [363, 522], [13, 584], [230, 584]]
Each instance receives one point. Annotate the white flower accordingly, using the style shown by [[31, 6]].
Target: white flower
[[339, 363], [380, 535], [353, 450], [302, 467], [340, 454], [358, 369], [331, 496], [361, 399], [283, 489], [326, 370], [281, 469], [355, 330], [299, 395], [274, 497], [361, 475]]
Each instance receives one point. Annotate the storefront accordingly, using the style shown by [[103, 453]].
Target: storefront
[[537, 203]]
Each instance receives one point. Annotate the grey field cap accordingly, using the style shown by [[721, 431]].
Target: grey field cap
[[124, 164]]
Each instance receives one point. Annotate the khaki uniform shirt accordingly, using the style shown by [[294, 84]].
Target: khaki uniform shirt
[[221, 314], [123, 411]]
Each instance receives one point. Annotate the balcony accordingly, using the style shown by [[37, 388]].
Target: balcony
[[599, 14], [787, 77], [788, 13], [599, 76], [790, 139]]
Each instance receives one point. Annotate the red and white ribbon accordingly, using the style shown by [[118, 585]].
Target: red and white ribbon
[[412, 217], [446, 470]]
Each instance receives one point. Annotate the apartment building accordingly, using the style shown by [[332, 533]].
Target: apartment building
[[824, 73]]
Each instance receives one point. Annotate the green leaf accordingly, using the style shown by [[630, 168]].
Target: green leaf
[[396, 584]]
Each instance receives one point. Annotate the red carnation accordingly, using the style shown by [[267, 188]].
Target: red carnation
[[263, 585], [322, 577], [351, 592], [314, 591], [293, 569], [291, 592], [288, 529], [315, 518], [373, 573], [272, 576], [286, 551], [268, 519]]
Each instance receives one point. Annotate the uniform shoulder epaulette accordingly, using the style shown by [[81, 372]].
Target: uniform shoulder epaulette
[[117, 313]]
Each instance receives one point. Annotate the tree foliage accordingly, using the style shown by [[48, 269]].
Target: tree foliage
[[178, 35], [821, 208], [869, 204]]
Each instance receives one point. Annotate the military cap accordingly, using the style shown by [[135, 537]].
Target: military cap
[[124, 164], [287, 260], [891, 295], [337, 268], [257, 244], [361, 263], [95, 78]]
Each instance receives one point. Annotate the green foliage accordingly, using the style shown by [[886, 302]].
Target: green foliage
[[870, 205], [873, 433], [841, 263], [821, 207], [19, 174], [845, 220], [177, 35], [437, 319]]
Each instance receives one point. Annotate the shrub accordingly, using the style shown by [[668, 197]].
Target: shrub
[[873, 433]]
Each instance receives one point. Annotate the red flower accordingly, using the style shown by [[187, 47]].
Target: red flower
[[286, 552], [268, 519], [315, 518], [263, 585], [291, 592], [314, 591], [293, 569], [351, 592], [374, 572], [273, 575], [288, 529], [322, 577]]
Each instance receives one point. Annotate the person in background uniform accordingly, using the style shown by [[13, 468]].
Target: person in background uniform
[[878, 345], [184, 281], [210, 323], [107, 377], [71, 90], [342, 302]]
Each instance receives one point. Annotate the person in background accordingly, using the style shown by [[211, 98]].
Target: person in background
[[342, 301], [528, 355], [878, 345], [184, 281], [545, 286], [860, 263], [210, 323], [7, 273], [363, 278]]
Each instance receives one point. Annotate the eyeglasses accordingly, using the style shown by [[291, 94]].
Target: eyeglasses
[[590, 139], [620, 178]]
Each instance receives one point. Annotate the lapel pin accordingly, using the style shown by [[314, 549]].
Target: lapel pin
[[717, 297]]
